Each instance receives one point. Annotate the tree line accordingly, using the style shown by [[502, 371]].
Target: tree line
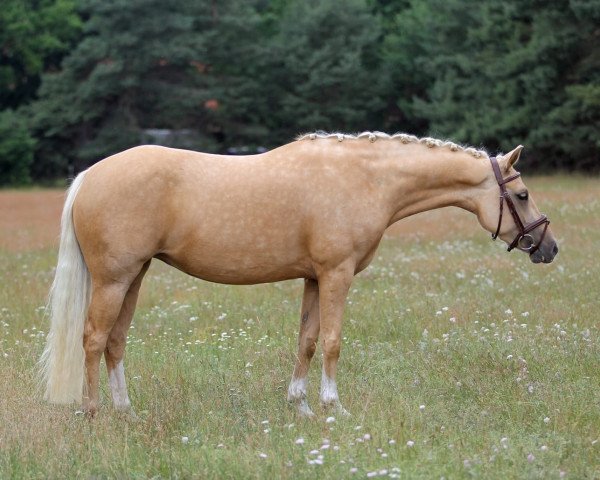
[[80, 80]]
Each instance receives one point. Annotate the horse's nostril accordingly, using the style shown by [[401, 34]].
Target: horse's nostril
[[555, 249]]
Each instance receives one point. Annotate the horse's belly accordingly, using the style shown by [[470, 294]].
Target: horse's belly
[[239, 266]]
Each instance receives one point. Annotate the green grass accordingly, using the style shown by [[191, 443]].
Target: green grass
[[503, 354]]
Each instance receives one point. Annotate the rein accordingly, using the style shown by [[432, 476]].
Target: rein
[[523, 241]]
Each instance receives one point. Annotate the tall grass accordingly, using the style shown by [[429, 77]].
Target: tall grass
[[458, 360]]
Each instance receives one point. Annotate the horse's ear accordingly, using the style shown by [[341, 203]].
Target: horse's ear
[[511, 158]]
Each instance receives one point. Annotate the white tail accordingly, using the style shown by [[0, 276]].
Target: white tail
[[63, 361]]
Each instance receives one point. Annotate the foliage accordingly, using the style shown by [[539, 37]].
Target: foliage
[[329, 85], [238, 62], [124, 76], [33, 37], [502, 73], [224, 74], [16, 149], [213, 75]]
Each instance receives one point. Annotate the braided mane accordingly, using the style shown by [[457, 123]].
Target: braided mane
[[403, 137]]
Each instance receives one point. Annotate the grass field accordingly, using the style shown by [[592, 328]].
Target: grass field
[[459, 360]]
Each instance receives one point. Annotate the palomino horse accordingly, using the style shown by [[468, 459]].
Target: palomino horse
[[315, 209]]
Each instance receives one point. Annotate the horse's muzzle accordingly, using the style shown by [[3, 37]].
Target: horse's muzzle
[[545, 254]]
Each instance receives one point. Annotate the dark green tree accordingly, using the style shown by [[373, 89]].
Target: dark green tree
[[238, 63], [16, 149], [285, 67], [34, 35], [569, 133], [140, 66], [324, 70], [233, 73], [502, 73]]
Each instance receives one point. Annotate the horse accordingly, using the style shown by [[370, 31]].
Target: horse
[[315, 208]]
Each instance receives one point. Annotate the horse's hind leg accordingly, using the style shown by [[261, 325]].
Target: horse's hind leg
[[307, 344], [115, 345], [106, 302]]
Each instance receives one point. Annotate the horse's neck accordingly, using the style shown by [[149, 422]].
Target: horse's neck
[[423, 178]]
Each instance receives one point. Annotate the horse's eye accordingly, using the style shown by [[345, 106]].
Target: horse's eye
[[523, 195]]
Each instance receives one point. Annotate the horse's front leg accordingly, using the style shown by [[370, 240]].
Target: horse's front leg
[[333, 290], [307, 344]]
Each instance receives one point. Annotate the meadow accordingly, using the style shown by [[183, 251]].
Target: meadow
[[459, 360]]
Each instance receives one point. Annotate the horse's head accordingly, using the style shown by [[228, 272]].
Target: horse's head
[[506, 209]]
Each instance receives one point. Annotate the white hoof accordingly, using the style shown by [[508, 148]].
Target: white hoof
[[303, 409], [341, 411]]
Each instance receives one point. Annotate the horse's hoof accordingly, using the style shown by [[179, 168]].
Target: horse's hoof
[[341, 411], [304, 410], [128, 414], [88, 410], [90, 413], [337, 408]]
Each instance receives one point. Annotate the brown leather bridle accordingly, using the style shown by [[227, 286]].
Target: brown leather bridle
[[524, 241]]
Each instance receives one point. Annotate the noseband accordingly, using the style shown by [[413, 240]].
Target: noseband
[[523, 241]]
